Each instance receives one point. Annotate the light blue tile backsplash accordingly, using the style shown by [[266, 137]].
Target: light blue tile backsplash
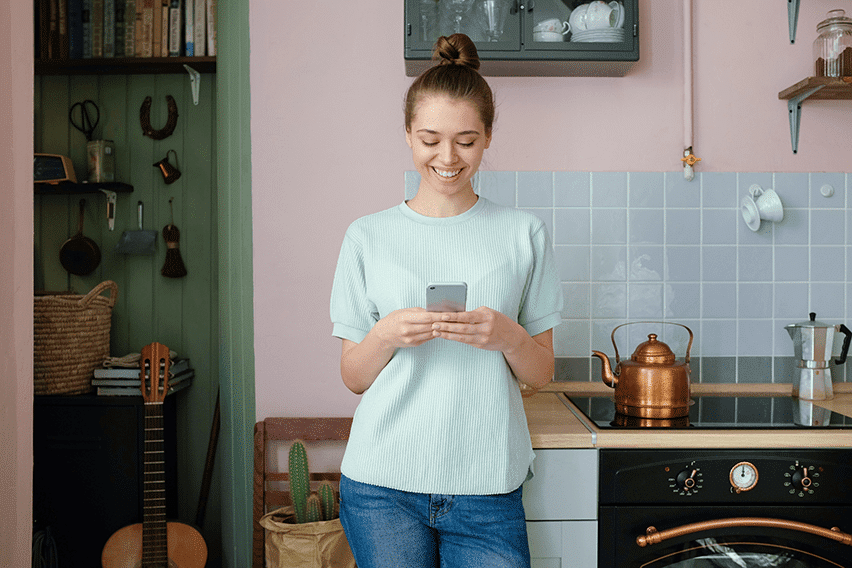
[[637, 246]]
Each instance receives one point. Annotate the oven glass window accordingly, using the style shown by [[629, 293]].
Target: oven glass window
[[716, 553]]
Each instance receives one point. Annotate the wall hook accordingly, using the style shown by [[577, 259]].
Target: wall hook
[[194, 82]]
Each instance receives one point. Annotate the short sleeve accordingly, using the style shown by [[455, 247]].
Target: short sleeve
[[352, 313], [541, 306]]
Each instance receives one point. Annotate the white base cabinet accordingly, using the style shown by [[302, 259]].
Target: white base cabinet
[[561, 504]]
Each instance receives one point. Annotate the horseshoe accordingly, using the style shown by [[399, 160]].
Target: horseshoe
[[145, 119]]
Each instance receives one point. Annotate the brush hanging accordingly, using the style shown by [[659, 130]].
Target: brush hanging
[[173, 267]]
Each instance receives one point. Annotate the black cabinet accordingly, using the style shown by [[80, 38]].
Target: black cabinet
[[507, 42], [87, 470]]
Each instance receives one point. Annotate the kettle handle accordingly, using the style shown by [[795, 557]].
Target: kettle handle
[[848, 337], [689, 345]]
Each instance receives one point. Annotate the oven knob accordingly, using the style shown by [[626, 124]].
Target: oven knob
[[801, 479], [687, 481]]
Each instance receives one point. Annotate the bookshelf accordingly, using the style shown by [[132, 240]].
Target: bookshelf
[[124, 65]]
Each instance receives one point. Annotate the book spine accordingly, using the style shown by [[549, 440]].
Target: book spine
[[63, 29], [109, 28], [147, 28], [130, 28], [200, 45], [53, 30], [174, 29], [211, 27], [157, 37], [86, 18], [189, 28], [97, 21], [75, 29], [164, 27], [120, 28]]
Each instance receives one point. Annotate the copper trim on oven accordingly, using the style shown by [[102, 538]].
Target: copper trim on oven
[[653, 536]]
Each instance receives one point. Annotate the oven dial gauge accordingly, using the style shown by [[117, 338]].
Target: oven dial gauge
[[801, 480], [687, 481], [743, 477]]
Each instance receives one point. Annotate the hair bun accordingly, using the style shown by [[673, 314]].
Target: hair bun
[[457, 49]]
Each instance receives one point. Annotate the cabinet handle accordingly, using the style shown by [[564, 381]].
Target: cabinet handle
[[653, 536]]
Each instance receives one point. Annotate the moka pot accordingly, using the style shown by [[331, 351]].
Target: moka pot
[[813, 345]]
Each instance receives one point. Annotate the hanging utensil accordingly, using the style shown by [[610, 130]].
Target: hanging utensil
[[173, 267], [137, 242], [81, 114], [80, 255]]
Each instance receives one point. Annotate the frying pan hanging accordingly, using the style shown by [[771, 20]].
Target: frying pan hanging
[[80, 255]]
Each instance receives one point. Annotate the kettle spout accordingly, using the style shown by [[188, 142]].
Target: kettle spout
[[607, 375]]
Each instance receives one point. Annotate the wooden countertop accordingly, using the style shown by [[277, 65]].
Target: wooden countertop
[[553, 425]]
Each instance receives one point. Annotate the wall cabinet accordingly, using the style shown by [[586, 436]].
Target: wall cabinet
[[561, 505], [513, 49]]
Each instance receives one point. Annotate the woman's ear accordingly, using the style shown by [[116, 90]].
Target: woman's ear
[[408, 138]]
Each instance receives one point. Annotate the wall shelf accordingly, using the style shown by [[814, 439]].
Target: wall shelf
[[124, 65], [70, 188], [815, 88]]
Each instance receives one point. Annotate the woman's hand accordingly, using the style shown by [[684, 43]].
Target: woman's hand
[[407, 327], [530, 358], [361, 363], [483, 328]]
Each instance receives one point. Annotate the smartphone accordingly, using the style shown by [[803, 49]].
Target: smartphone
[[446, 296]]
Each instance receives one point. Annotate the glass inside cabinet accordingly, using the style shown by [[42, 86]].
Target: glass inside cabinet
[[529, 37]]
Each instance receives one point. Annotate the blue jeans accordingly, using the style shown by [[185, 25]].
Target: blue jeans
[[399, 529]]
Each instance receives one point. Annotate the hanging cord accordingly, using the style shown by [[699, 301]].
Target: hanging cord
[[173, 267], [44, 549]]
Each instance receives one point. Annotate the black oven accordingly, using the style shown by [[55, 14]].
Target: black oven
[[725, 508]]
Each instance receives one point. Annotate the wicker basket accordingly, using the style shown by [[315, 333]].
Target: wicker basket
[[71, 339]]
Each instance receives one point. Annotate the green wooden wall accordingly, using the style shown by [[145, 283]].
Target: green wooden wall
[[181, 313]]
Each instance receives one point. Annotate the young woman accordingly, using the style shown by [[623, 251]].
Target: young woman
[[439, 445]]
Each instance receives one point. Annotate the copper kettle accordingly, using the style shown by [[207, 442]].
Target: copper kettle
[[652, 384]]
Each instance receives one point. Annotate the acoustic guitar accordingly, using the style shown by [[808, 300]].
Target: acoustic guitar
[[155, 542]]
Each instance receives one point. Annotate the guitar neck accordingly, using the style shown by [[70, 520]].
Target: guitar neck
[[154, 525]]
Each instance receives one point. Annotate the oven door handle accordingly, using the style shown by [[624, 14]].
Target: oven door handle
[[653, 536]]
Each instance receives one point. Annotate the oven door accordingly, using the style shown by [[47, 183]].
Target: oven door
[[723, 537]]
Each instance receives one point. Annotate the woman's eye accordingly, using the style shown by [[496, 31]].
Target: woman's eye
[[466, 144], [425, 143]]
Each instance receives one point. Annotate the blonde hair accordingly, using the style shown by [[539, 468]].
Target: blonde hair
[[455, 75]]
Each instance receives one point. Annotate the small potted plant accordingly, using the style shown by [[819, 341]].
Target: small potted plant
[[307, 534]]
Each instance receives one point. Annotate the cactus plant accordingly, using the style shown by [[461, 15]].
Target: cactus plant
[[314, 509], [300, 484], [309, 507], [328, 500]]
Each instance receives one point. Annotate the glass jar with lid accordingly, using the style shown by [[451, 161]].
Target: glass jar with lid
[[833, 46]]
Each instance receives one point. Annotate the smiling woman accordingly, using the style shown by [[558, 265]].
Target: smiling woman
[[439, 445]]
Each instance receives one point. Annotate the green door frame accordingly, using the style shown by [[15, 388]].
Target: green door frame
[[236, 315]]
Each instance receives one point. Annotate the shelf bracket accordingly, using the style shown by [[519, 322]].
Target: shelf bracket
[[794, 105], [194, 81], [792, 18]]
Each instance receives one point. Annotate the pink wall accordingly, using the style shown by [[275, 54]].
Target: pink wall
[[16, 258], [328, 147]]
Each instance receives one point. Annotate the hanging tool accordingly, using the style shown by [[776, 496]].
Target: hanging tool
[[173, 267], [85, 110], [137, 242]]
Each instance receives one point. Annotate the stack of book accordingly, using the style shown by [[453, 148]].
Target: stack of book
[[83, 29], [128, 382]]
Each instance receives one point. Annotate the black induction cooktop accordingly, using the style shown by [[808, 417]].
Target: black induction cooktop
[[720, 412]]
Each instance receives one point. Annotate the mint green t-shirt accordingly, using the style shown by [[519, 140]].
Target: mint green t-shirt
[[443, 417]]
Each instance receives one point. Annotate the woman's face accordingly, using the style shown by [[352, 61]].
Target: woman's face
[[447, 140]]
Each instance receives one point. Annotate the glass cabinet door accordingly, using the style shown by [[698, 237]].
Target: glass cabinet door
[[529, 37], [494, 25]]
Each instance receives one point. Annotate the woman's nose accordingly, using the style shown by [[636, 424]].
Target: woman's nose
[[447, 154]]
